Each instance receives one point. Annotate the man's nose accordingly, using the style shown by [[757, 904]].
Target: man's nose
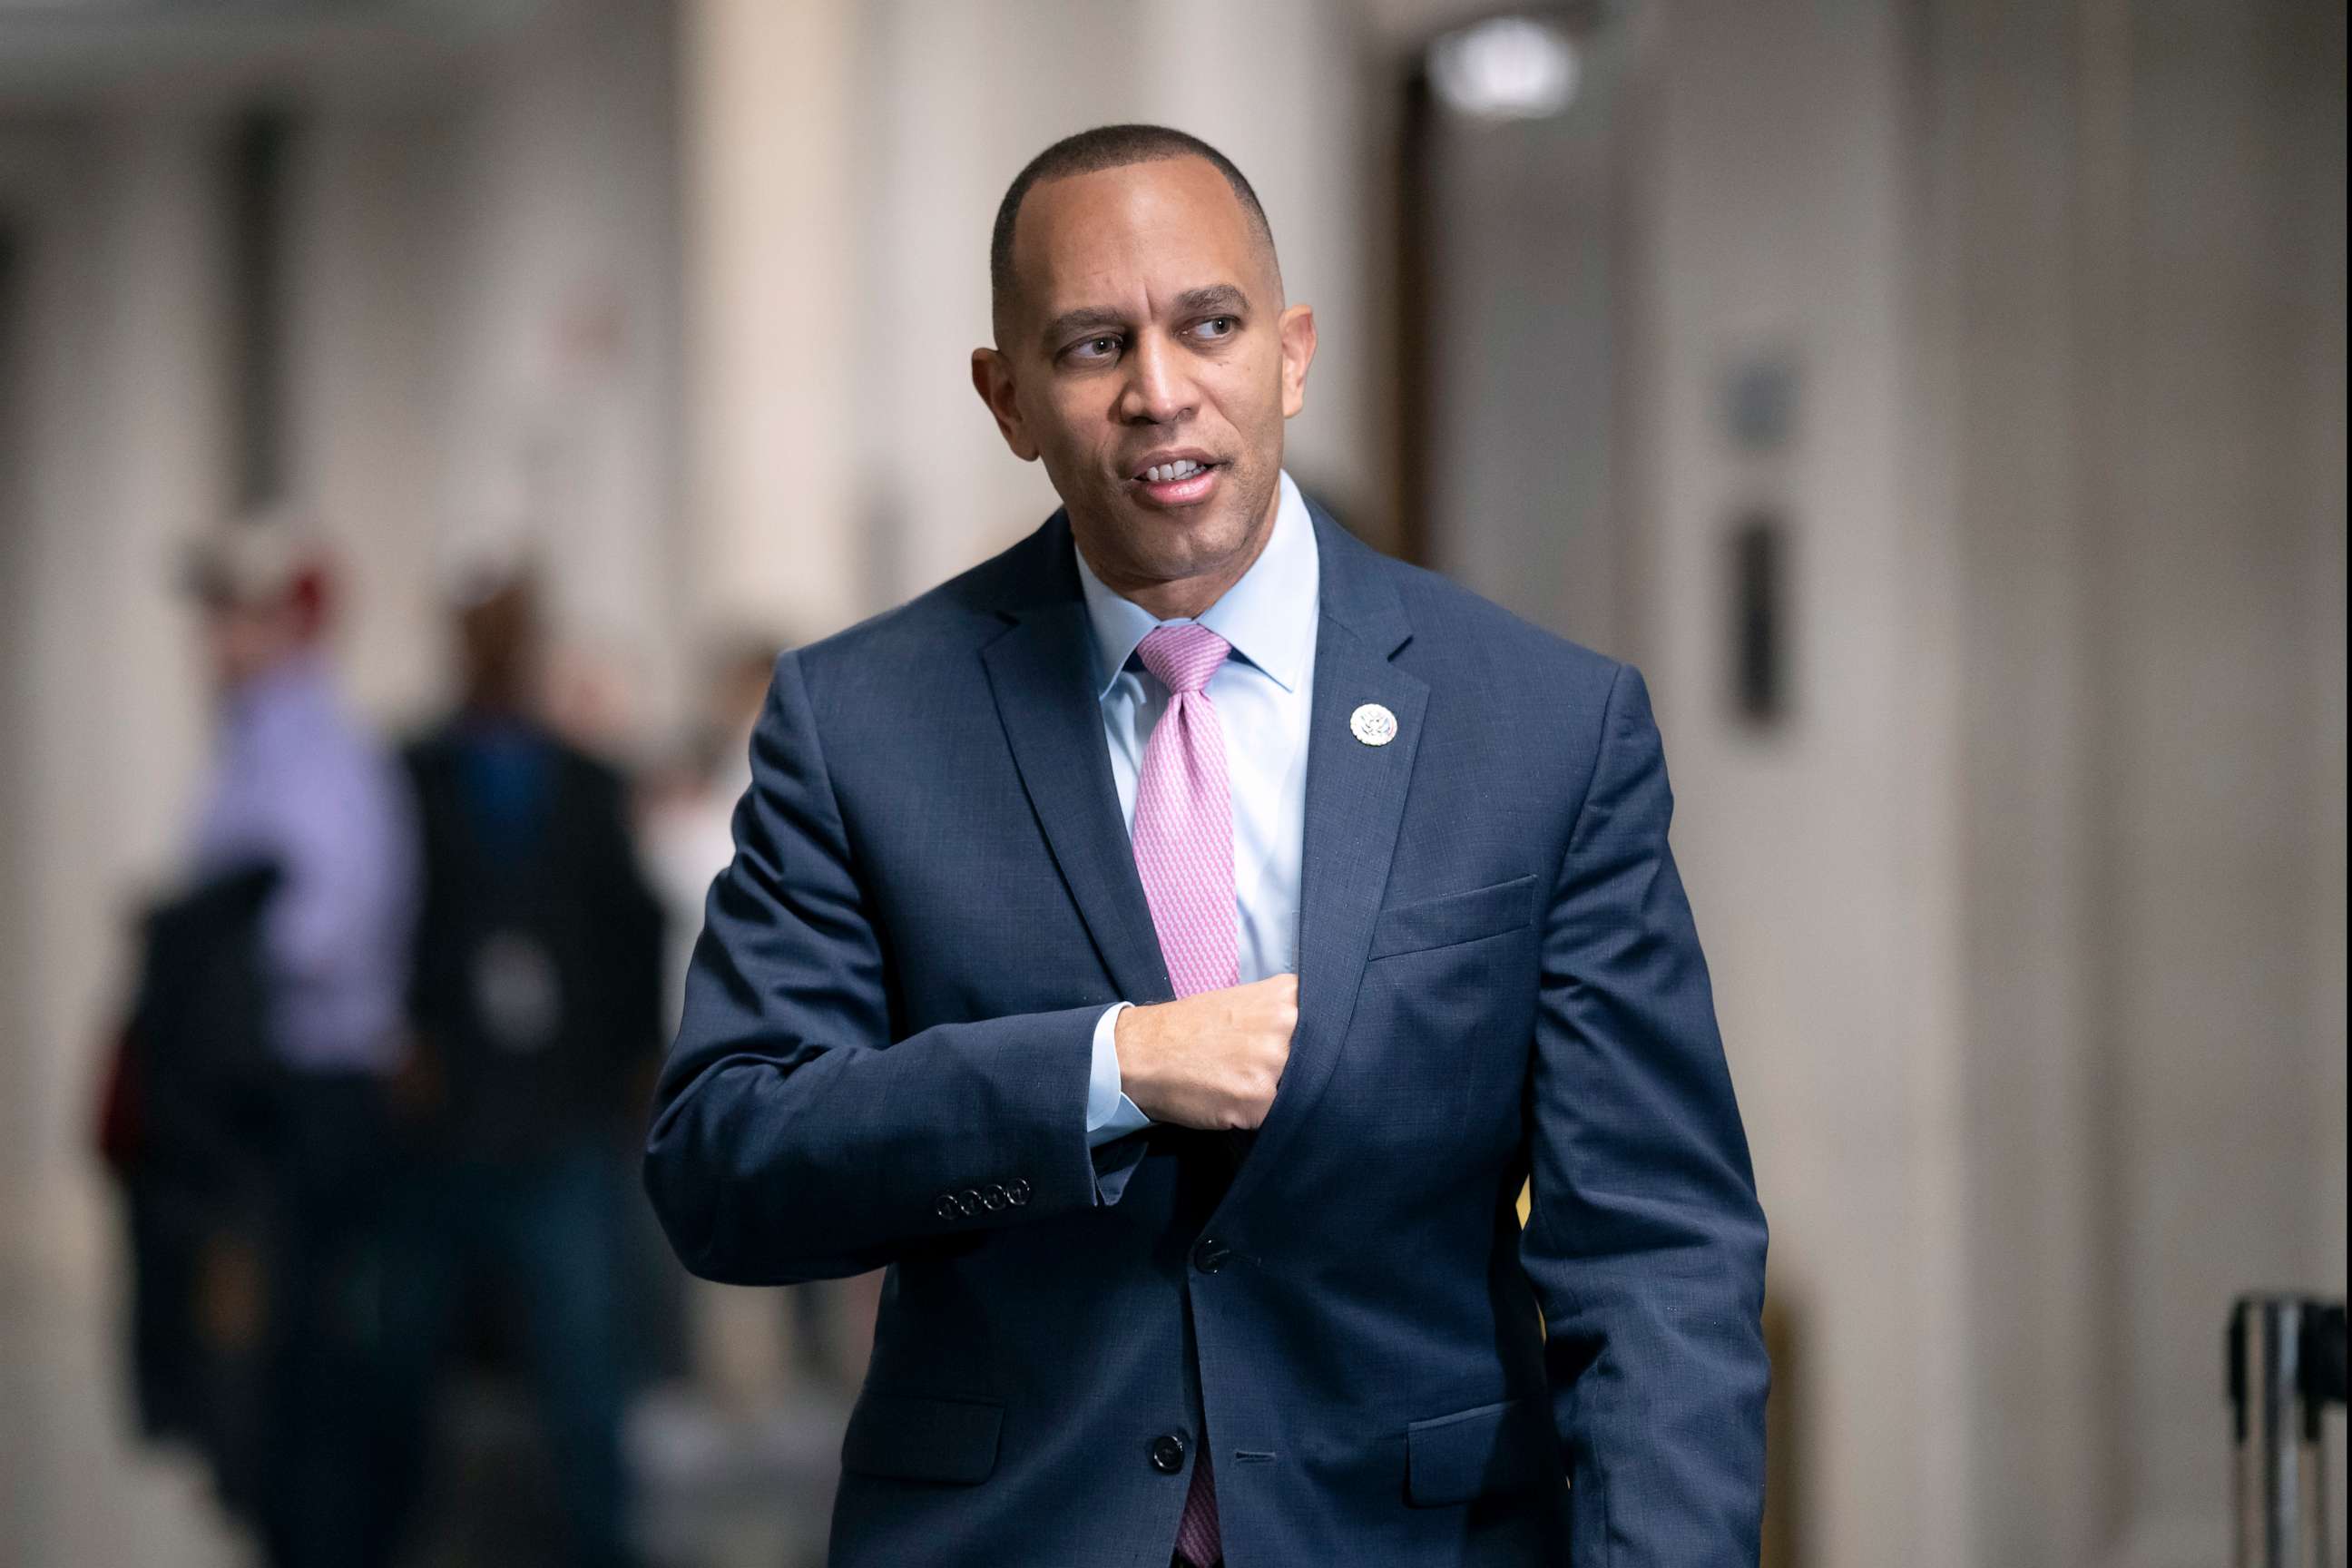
[[1159, 390]]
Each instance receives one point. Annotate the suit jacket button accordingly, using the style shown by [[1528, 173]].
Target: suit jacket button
[[1210, 1255], [946, 1207], [1018, 1193], [967, 1201], [1168, 1453], [994, 1199]]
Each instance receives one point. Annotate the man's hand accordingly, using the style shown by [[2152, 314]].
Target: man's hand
[[1210, 1060]]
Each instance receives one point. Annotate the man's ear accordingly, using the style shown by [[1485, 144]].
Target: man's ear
[[991, 377], [1297, 327]]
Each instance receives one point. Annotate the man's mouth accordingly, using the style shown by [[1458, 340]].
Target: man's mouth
[[1176, 481]]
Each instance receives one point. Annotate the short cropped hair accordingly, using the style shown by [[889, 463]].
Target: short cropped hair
[[1106, 147]]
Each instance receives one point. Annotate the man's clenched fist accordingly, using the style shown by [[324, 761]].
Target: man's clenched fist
[[1210, 1060]]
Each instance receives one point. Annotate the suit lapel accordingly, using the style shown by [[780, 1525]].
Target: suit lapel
[[1039, 672], [1355, 803]]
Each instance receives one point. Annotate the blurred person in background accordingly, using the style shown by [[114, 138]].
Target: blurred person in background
[[305, 832], [1169, 945], [690, 808], [537, 1003]]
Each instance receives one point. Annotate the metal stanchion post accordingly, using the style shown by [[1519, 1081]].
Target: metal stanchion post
[[2287, 1367]]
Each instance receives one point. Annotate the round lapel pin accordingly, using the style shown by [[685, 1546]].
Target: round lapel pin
[[1373, 724]]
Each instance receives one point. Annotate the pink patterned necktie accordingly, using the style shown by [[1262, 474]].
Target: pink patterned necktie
[[1184, 848], [1184, 817]]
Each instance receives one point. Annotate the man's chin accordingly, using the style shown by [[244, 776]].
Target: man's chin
[[1199, 536], [1165, 543]]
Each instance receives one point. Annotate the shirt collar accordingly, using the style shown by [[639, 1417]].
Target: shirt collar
[[1266, 616]]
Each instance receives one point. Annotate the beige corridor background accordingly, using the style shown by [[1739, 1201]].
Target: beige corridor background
[[2017, 328]]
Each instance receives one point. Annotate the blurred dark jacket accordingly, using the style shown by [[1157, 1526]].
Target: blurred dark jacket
[[188, 1130], [537, 991], [191, 1102]]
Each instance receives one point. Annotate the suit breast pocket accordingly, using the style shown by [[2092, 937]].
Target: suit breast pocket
[[1439, 1032], [1452, 918]]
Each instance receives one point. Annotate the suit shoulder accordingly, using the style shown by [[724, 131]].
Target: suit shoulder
[[909, 640], [1457, 623], [432, 752]]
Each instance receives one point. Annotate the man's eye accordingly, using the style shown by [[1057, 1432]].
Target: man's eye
[[1095, 348], [1217, 327]]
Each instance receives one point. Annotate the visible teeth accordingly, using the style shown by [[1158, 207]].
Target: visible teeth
[[1161, 473]]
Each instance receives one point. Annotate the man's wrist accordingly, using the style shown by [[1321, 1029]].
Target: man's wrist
[[1110, 1113]]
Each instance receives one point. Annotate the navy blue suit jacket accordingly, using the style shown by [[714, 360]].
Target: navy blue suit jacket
[[884, 1060]]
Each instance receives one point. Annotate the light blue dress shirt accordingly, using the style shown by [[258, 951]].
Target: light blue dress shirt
[[297, 783], [1263, 694]]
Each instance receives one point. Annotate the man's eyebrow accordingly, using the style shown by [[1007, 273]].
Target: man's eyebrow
[[1216, 299], [1091, 318]]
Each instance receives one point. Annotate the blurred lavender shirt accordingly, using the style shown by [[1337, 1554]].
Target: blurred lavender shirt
[[297, 782]]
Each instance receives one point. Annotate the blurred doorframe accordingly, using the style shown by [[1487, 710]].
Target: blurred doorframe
[[1564, 545], [1409, 387], [17, 1009]]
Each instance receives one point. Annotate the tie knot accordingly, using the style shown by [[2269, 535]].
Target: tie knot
[[1183, 656]]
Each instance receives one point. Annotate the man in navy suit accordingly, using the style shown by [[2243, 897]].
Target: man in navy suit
[[1168, 947]]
